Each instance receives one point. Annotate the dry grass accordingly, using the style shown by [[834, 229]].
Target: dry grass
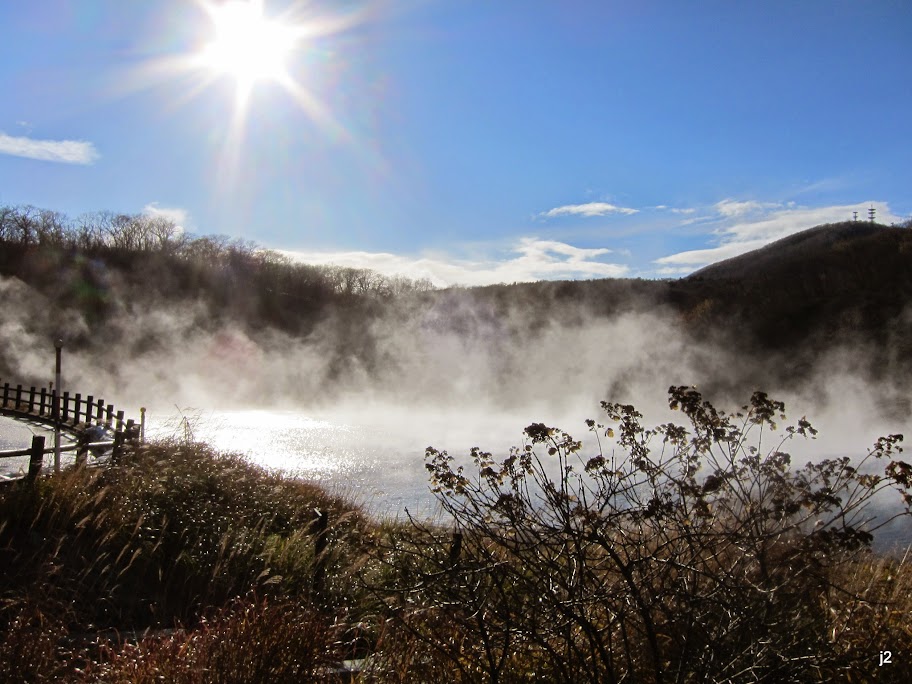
[[252, 641], [180, 537]]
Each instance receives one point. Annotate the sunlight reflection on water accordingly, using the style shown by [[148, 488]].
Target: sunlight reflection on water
[[16, 435], [380, 466], [368, 464]]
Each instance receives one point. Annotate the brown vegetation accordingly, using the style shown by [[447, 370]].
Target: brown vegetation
[[681, 554]]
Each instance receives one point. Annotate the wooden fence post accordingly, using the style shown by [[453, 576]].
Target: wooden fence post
[[50, 406], [118, 447], [36, 459], [55, 409]]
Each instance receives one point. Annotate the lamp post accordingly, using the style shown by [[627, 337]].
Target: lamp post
[[58, 346]]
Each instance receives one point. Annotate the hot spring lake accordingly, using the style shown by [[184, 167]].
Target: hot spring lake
[[376, 461]]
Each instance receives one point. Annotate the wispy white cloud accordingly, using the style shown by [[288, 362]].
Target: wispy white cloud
[[530, 259], [693, 259], [675, 210], [587, 210], [64, 151], [179, 217], [752, 225], [698, 219], [730, 208]]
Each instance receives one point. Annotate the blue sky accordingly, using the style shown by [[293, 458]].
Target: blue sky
[[469, 141]]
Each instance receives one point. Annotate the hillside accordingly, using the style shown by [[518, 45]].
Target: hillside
[[845, 246], [833, 282]]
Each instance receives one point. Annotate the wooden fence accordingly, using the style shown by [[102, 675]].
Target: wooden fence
[[71, 413]]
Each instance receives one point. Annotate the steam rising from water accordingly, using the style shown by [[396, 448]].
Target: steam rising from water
[[450, 372]]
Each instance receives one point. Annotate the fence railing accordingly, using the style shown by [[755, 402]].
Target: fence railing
[[70, 413], [44, 404]]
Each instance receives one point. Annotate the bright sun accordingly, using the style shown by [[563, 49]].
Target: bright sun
[[247, 45]]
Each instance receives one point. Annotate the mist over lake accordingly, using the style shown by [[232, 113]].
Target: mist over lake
[[345, 376]]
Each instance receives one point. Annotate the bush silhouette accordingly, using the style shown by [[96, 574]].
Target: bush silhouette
[[692, 553]]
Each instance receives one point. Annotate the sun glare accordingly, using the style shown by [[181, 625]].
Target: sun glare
[[248, 45], [241, 42]]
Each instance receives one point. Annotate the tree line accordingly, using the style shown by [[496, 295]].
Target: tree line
[[111, 234]]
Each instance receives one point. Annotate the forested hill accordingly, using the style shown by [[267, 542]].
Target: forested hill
[[139, 284], [848, 279], [849, 254]]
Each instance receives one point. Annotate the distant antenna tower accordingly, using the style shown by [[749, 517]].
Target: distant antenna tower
[[855, 216], [871, 212]]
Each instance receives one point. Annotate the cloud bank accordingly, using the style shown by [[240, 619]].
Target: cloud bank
[[721, 231], [750, 225], [62, 151], [530, 259]]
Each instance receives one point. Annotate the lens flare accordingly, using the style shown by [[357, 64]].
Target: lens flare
[[247, 45], [244, 44]]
